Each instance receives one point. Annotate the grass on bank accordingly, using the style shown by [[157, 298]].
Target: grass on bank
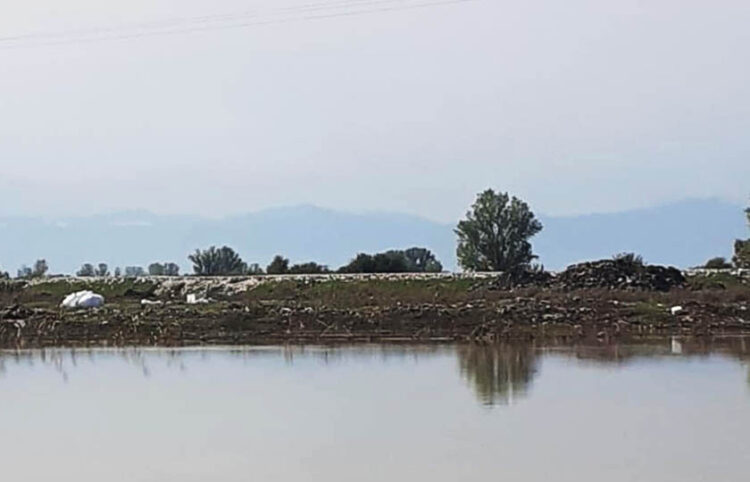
[[51, 292], [345, 294], [362, 292]]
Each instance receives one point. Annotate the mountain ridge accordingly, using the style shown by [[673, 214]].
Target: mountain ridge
[[683, 234]]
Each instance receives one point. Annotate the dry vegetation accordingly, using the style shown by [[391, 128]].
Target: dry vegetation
[[320, 309]]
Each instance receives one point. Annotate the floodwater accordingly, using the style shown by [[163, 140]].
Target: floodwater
[[668, 410]]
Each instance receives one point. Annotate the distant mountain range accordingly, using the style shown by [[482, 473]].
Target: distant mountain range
[[681, 234]]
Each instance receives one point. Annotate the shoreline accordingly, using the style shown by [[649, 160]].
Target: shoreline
[[370, 309]]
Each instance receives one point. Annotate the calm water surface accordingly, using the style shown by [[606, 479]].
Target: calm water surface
[[663, 411]]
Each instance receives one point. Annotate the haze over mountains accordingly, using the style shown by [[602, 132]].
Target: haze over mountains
[[682, 234]]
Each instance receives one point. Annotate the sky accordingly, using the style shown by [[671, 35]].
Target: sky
[[414, 106]]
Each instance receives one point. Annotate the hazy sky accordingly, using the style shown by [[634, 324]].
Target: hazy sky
[[576, 106]]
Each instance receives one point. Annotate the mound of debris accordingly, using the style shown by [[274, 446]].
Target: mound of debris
[[621, 275]]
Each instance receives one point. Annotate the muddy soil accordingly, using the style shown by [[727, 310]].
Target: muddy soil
[[297, 311]]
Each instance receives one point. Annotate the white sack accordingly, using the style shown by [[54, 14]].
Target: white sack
[[83, 299]]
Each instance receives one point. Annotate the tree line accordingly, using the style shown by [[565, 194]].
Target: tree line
[[225, 261], [494, 236]]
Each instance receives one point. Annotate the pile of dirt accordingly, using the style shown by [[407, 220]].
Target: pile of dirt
[[620, 275]]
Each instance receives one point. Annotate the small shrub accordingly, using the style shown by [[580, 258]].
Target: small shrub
[[717, 263], [24, 272], [86, 270], [630, 259]]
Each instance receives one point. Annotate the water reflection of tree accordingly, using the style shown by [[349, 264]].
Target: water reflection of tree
[[499, 373]]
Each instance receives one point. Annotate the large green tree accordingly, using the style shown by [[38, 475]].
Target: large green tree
[[217, 262], [742, 248], [495, 234]]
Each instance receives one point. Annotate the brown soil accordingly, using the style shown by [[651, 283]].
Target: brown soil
[[374, 310]]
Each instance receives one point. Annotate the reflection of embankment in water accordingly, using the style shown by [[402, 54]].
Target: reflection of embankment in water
[[500, 372], [65, 360], [737, 347]]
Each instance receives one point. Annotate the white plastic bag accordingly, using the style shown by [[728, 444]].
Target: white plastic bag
[[192, 299], [83, 299]]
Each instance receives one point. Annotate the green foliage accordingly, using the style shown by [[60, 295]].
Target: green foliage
[[134, 272], [650, 311], [24, 272], [388, 262], [38, 271], [715, 281], [741, 257], [412, 260], [217, 262], [8, 286], [422, 260], [163, 269], [102, 270], [55, 289], [309, 268], [495, 234], [86, 270], [279, 265], [357, 293], [118, 272], [362, 263], [717, 263], [254, 269]]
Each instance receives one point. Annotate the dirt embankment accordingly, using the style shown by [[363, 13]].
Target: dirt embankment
[[375, 308]]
